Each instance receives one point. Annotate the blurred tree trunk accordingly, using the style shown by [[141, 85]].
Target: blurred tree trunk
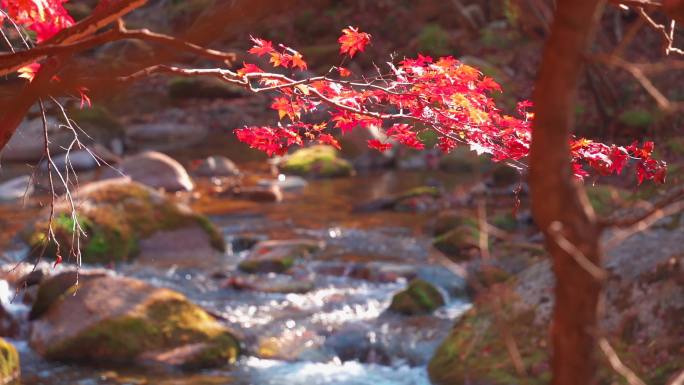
[[559, 204]]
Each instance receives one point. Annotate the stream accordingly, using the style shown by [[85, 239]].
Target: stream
[[334, 333]]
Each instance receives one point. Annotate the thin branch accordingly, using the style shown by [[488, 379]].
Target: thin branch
[[617, 364], [556, 232], [655, 211]]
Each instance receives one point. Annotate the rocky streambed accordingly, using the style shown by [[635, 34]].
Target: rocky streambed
[[304, 284], [241, 276]]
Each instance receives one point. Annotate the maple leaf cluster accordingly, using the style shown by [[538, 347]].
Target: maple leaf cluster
[[43, 17], [444, 95]]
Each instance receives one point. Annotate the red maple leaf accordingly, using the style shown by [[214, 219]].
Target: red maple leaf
[[329, 139], [298, 61], [378, 145], [261, 47], [352, 41]]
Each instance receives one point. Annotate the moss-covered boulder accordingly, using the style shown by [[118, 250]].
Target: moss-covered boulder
[[116, 216], [9, 362], [420, 297], [107, 320], [476, 352], [316, 161], [277, 256], [459, 243]]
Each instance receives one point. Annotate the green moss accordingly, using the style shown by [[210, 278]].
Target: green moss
[[476, 352], [420, 297], [215, 236], [455, 243], [317, 161], [161, 325], [9, 362], [434, 40], [637, 118], [116, 218]]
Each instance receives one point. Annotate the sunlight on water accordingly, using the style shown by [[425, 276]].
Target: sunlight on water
[[269, 372]]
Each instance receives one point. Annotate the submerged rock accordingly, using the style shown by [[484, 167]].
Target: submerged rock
[[420, 297], [316, 161], [106, 320], [277, 256], [9, 362], [117, 216], [153, 169]]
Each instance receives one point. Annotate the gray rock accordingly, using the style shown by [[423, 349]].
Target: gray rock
[[217, 166], [27, 145], [16, 188], [83, 160], [153, 169]]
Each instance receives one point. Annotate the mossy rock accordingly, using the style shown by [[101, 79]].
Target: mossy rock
[[475, 351], [420, 297], [457, 243], [449, 220], [185, 88], [107, 320], [277, 256], [115, 215], [316, 161], [9, 362]]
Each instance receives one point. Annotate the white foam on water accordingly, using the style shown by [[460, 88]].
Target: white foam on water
[[270, 372]]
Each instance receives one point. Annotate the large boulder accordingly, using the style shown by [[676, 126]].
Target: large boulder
[[643, 308], [420, 297], [153, 169], [122, 219], [277, 256], [9, 362], [317, 161], [107, 320], [27, 144]]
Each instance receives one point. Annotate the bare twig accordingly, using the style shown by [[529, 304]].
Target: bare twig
[[617, 364], [556, 232]]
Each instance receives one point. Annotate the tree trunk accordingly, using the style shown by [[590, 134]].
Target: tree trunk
[[556, 197]]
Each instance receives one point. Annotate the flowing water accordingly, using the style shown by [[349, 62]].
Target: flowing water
[[337, 333]]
